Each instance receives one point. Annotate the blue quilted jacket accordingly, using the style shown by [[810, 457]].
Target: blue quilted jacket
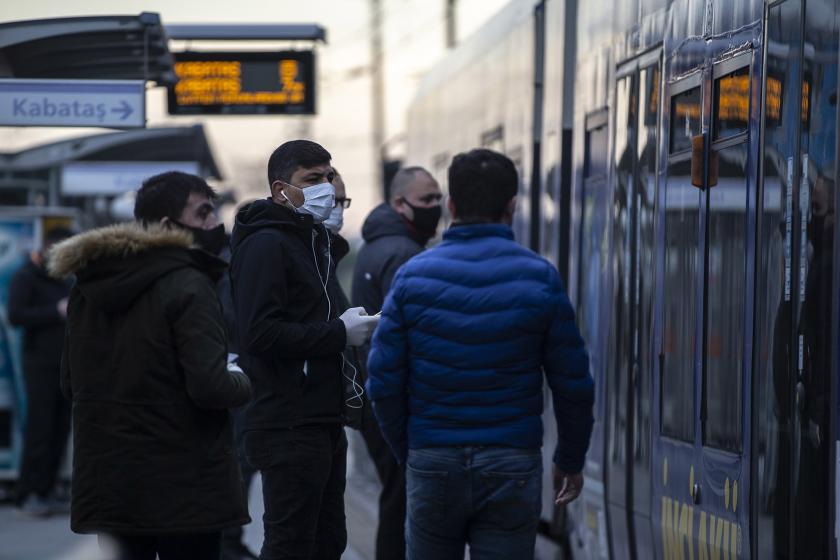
[[467, 332]]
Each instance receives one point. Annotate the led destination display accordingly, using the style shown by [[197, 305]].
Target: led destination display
[[243, 83]]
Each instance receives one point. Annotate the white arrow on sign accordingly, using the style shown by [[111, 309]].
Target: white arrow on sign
[[105, 103]]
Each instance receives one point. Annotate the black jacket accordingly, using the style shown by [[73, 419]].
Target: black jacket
[[290, 337], [389, 243], [145, 365], [33, 305]]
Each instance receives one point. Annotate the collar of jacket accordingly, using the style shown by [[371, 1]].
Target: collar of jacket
[[470, 231]]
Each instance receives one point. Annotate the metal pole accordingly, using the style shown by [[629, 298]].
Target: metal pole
[[450, 24], [377, 89]]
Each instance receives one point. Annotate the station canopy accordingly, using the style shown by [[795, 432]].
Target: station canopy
[[186, 143], [101, 48]]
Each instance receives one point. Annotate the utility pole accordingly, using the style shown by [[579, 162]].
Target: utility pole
[[450, 23], [377, 79]]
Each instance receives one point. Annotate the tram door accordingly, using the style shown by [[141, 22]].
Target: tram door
[[631, 267], [796, 331], [705, 298]]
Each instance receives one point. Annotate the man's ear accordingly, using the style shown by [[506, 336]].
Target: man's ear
[[450, 205], [510, 211], [276, 188], [166, 222]]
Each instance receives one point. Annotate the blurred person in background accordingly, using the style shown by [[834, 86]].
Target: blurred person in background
[[145, 364], [350, 369], [393, 232], [38, 304], [291, 338]]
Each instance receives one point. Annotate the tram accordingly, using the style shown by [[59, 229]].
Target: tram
[[678, 163]]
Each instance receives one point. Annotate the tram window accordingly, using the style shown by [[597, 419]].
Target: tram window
[[726, 289], [592, 229], [682, 219], [732, 103], [595, 163], [621, 362], [685, 118], [650, 82]]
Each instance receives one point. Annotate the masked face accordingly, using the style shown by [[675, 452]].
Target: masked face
[[425, 219], [211, 240], [318, 201], [336, 219]]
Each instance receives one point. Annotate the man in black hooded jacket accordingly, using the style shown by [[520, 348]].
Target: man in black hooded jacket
[[394, 232], [145, 363], [290, 340]]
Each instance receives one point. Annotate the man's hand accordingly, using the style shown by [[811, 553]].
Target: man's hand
[[567, 486], [358, 325], [62, 307]]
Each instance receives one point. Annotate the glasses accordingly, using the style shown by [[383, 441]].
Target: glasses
[[343, 202]]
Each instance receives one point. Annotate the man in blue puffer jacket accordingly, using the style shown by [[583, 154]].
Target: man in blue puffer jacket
[[456, 375]]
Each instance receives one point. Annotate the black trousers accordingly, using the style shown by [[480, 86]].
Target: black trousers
[[47, 429], [232, 536], [390, 534], [303, 473], [172, 547]]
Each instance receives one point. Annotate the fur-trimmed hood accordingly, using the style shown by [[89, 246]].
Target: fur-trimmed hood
[[117, 241], [114, 264]]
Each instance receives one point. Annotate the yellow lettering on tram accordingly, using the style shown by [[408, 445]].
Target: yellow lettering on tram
[[702, 539], [717, 538]]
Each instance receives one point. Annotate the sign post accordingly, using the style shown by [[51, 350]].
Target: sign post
[[100, 103]]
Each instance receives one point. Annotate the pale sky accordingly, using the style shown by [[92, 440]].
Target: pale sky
[[413, 41]]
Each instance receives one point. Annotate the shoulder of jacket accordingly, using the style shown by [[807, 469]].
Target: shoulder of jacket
[[263, 239], [184, 282]]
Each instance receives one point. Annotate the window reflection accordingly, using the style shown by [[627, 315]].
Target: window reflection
[[682, 207], [621, 355], [726, 293], [645, 266], [685, 118], [732, 103]]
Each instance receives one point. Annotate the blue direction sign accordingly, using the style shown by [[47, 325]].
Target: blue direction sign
[[106, 103]]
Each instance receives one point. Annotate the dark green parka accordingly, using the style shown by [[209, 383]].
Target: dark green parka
[[145, 366]]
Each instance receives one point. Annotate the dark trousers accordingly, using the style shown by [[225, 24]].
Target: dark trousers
[[390, 534], [47, 429], [303, 473], [232, 536], [172, 547]]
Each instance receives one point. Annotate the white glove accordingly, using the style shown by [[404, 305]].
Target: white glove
[[232, 366], [359, 325]]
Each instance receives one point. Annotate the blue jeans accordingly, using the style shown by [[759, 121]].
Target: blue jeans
[[488, 497]]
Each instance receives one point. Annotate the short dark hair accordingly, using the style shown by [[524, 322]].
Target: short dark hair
[[403, 178], [293, 154], [482, 183], [165, 195]]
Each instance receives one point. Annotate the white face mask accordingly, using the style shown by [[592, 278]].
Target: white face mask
[[318, 201], [336, 220]]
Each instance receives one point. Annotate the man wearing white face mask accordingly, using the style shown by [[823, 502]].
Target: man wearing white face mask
[[291, 335]]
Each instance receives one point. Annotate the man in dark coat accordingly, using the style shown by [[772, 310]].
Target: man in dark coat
[[38, 303], [291, 336], [145, 363], [393, 232]]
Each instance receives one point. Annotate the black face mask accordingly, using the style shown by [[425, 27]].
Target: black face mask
[[211, 240], [425, 219]]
